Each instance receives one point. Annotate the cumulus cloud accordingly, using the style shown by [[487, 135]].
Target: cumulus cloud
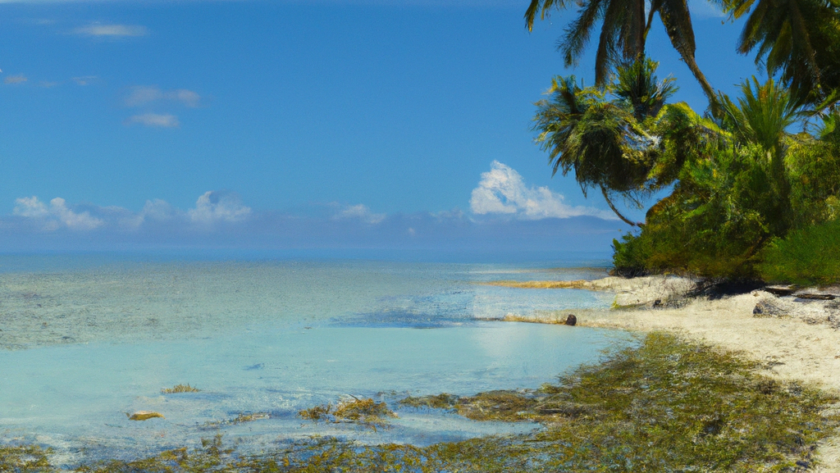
[[112, 30], [144, 95], [17, 79], [210, 208], [55, 215], [30, 207], [360, 212], [159, 120], [503, 191], [218, 206]]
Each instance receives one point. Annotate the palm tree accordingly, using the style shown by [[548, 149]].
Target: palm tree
[[762, 117], [624, 31], [636, 85], [797, 38], [604, 142]]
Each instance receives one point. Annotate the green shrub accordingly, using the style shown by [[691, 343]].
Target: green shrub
[[630, 256], [807, 256], [814, 169], [712, 225]]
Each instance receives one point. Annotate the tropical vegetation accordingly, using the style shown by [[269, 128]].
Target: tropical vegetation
[[752, 183]]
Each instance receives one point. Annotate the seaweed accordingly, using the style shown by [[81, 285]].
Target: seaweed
[[360, 411], [24, 458], [180, 388]]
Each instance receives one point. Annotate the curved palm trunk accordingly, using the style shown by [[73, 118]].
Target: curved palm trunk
[[676, 18], [704, 84], [622, 217]]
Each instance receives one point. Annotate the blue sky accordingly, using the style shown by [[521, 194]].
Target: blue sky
[[317, 112]]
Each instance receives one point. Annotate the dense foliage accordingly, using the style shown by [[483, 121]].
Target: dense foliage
[[757, 187], [755, 182], [807, 256], [740, 180]]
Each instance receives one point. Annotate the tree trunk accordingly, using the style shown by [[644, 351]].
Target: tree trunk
[[782, 185], [641, 27], [704, 84], [622, 217]]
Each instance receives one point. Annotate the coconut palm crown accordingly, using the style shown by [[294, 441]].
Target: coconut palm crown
[[624, 30], [607, 142]]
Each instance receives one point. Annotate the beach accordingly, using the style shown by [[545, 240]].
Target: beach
[[796, 343]]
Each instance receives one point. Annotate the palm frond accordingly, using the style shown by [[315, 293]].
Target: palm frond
[[577, 33], [543, 7]]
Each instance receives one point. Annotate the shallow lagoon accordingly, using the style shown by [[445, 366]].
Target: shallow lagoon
[[84, 347]]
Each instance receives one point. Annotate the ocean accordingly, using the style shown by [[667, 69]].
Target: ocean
[[86, 340]]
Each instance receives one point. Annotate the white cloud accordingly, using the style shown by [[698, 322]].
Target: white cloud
[[30, 207], [143, 95], [503, 191], [218, 206], [186, 97], [211, 207], [155, 210], [56, 215], [360, 212], [18, 79], [73, 220], [160, 120], [111, 30]]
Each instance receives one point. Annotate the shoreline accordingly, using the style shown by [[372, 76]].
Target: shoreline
[[793, 341]]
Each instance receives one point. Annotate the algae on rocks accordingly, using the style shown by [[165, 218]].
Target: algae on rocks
[[360, 411], [180, 388]]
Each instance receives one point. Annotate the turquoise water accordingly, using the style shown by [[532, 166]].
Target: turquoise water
[[84, 344]]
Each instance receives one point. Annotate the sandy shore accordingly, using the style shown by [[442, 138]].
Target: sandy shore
[[795, 341]]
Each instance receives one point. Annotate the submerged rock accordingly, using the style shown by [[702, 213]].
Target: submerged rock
[[144, 415]]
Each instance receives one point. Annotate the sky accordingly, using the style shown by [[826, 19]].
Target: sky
[[367, 123]]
